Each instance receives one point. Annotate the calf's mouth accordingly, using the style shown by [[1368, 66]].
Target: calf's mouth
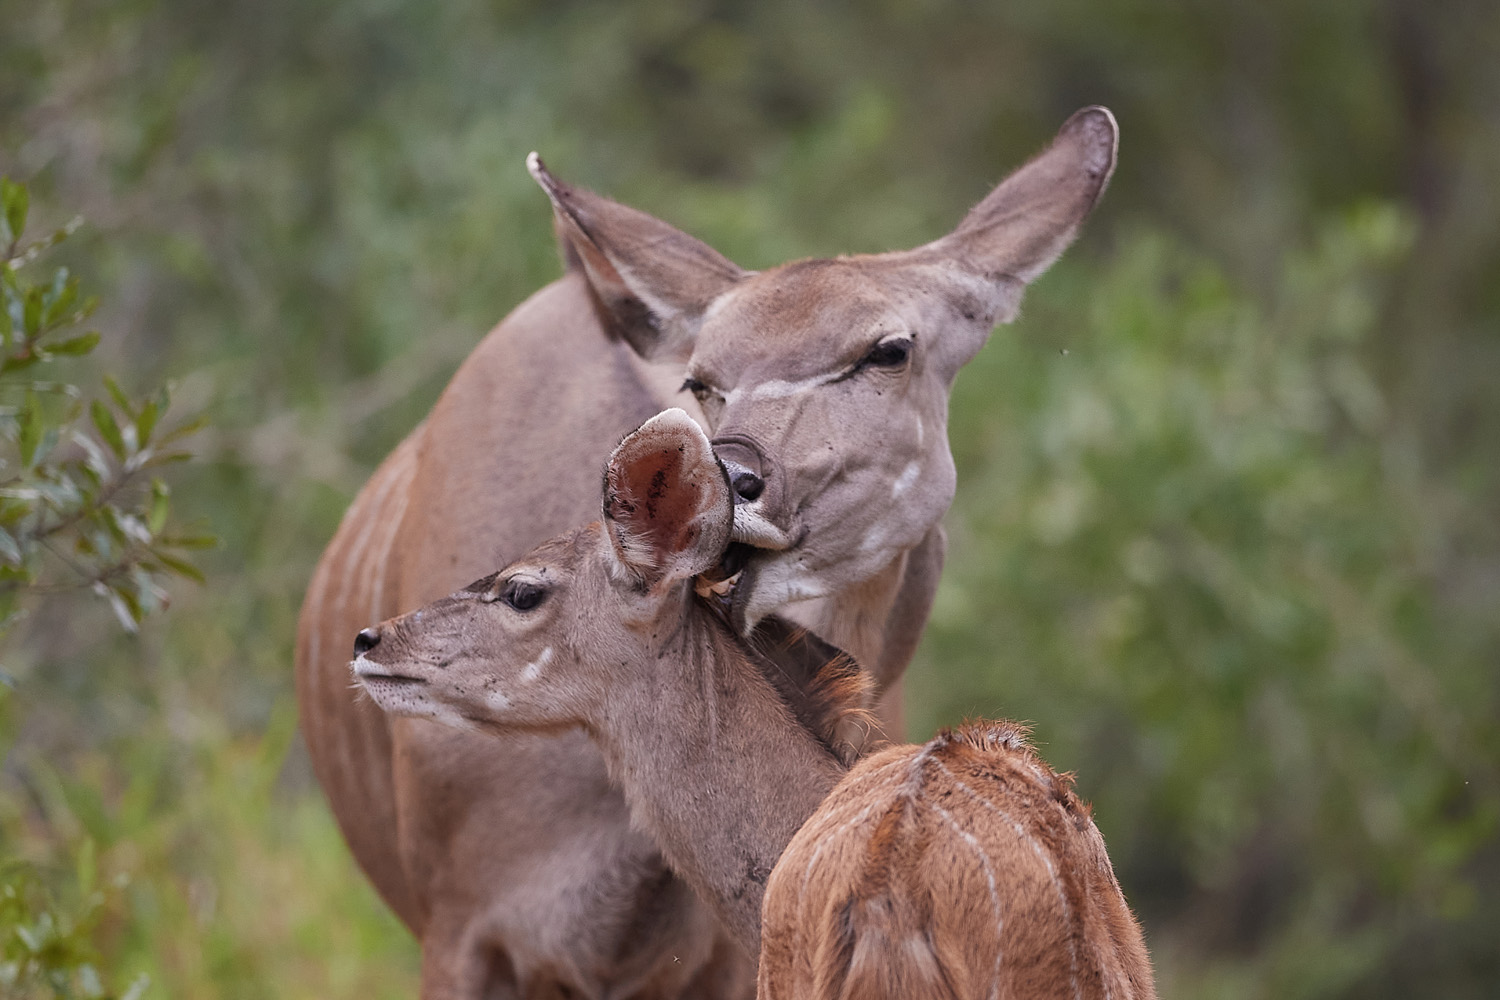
[[368, 673]]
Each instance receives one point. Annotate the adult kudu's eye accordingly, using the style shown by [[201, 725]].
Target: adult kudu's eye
[[888, 353], [699, 389], [523, 596]]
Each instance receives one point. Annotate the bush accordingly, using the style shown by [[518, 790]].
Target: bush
[[82, 508], [1192, 542]]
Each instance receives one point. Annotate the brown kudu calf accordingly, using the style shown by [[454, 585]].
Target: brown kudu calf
[[825, 387], [964, 868]]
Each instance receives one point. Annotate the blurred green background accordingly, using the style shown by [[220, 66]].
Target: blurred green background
[[1227, 519]]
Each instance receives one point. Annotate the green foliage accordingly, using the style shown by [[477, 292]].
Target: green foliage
[[1190, 547], [81, 507], [81, 504], [49, 950]]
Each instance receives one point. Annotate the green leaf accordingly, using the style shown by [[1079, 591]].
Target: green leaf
[[145, 422], [111, 519], [181, 567], [104, 421], [157, 518], [123, 603], [31, 313], [12, 364], [58, 299], [166, 458], [87, 865], [118, 395], [191, 541], [16, 200], [75, 345], [186, 429]]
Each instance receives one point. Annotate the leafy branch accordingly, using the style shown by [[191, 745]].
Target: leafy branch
[[83, 507], [82, 503]]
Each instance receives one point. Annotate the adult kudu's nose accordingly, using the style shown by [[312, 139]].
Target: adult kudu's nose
[[746, 469], [367, 640], [746, 484]]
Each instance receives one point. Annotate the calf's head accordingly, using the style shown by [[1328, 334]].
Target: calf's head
[[825, 382], [548, 641]]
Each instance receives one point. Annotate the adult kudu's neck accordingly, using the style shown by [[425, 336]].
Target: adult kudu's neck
[[879, 621], [715, 764]]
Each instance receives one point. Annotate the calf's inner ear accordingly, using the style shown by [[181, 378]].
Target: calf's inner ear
[[667, 502]]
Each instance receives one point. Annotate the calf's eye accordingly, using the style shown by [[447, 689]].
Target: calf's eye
[[523, 596]]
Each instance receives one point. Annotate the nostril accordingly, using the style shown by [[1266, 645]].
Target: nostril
[[367, 640], [747, 485]]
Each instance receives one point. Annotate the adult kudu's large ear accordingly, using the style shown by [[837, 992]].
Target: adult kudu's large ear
[[1015, 233], [653, 281], [667, 503]]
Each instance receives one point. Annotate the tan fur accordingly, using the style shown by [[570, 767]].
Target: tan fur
[[521, 865], [963, 868]]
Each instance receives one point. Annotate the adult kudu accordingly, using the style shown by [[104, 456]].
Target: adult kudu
[[824, 384]]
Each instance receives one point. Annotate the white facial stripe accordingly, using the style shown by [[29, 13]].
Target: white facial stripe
[[905, 481], [533, 670], [778, 388]]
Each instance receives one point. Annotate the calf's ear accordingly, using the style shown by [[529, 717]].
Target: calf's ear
[[653, 281], [668, 508]]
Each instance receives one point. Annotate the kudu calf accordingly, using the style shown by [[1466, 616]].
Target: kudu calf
[[824, 385], [965, 868]]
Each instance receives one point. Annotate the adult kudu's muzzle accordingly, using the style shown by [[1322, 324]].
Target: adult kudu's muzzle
[[745, 465], [761, 518]]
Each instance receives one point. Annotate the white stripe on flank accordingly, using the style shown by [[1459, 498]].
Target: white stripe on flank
[[823, 821], [1037, 849], [393, 528], [826, 836], [989, 874], [348, 579]]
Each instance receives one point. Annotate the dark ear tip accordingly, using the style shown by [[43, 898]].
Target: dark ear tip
[[1096, 130]]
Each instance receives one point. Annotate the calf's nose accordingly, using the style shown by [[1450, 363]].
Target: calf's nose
[[367, 640]]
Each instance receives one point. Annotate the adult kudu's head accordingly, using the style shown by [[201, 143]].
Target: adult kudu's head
[[825, 382]]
